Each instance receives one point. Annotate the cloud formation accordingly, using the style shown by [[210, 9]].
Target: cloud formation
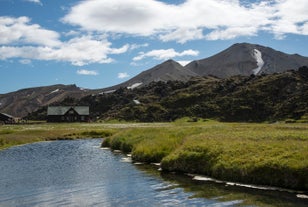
[[165, 54], [191, 20], [98, 20], [35, 1], [86, 72], [123, 75], [20, 30], [21, 39]]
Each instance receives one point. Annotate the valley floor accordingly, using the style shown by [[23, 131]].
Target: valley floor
[[264, 154]]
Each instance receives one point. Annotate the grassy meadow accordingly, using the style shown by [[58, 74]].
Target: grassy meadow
[[266, 154]]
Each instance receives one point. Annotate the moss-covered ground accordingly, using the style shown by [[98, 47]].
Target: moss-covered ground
[[266, 154]]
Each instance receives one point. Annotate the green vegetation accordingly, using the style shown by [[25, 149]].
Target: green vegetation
[[267, 154], [11, 135], [275, 97]]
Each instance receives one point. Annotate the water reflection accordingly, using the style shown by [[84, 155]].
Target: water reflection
[[227, 194], [79, 173]]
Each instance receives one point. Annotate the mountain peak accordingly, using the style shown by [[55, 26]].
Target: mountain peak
[[246, 59]]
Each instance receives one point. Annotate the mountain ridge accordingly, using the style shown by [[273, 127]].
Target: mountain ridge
[[239, 59]]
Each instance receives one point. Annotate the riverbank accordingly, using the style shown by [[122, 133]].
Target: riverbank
[[12, 135], [262, 154]]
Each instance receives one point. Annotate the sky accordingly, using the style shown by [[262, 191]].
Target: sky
[[99, 43]]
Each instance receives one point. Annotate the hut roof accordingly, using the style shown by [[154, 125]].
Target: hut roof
[[61, 110]]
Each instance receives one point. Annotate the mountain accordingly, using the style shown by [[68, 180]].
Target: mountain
[[239, 59], [21, 102], [268, 97], [246, 59], [167, 71]]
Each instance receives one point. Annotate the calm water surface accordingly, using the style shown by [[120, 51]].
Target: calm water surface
[[79, 173]]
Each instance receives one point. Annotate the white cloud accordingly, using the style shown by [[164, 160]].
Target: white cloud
[[182, 35], [231, 33], [25, 61], [123, 75], [291, 16], [20, 39], [128, 16], [86, 72], [35, 1], [165, 54], [191, 20], [137, 46], [19, 30]]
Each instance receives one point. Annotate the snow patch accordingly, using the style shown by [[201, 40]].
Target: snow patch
[[135, 85], [136, 102], [257, 55], [55, 91], [106, 92], [302, 196], [83, 89]]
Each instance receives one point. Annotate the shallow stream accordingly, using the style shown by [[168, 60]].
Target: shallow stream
[[80, 173]]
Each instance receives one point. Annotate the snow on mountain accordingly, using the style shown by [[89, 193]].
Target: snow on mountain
[[135, 85], [246, 59], [258, 57], [137, 102], [55, 91]]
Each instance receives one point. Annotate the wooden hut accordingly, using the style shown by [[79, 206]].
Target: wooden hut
[[7, 119], [68, 114]]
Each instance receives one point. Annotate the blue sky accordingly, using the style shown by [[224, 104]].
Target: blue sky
[[100, 43]]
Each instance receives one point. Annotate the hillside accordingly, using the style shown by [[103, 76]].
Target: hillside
[[22, 102], [240, 59], [272, 97], [246, 59], [166, 71]]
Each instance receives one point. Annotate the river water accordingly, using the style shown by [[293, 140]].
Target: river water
[[79, 173]]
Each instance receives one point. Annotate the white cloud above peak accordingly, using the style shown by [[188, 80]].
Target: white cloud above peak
[[86, 72], [191, 20], [165, 54], [123, 75], [35, 1]]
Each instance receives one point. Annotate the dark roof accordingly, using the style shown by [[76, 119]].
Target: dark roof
[[61, 110], [6, 115]]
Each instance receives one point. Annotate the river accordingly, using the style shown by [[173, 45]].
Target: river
[[80, 173]]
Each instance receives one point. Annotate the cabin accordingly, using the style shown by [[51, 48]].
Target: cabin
[[7, 119], [68, 114]]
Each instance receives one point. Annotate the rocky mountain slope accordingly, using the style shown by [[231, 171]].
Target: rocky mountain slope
[[267, 97], [167, 71], [21, 102], [272, 97], [239, 59], [246, 59]]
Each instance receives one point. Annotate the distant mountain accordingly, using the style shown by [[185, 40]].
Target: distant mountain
[[167, 71], [246, 59], [239, 59], [272, 97], [20, 103]]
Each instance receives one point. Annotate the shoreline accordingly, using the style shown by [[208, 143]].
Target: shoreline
[[261, 154], [218, 151]]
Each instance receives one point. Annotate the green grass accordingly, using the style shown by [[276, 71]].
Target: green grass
[[266, 154], [11, 135]]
